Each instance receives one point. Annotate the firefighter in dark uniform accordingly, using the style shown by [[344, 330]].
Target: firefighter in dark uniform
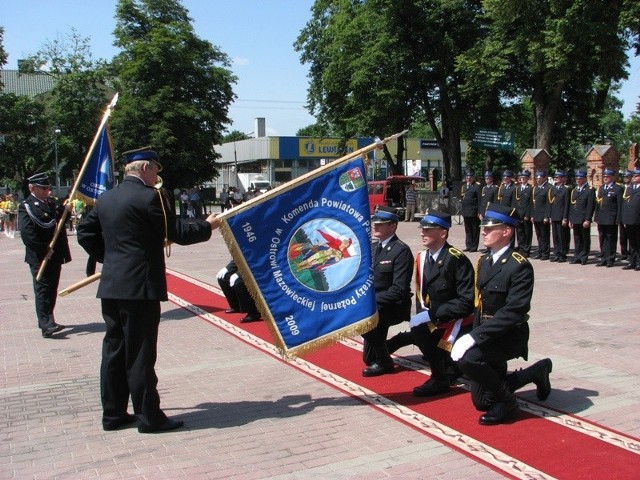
[[540, 215], [444, 286], [392, 271], [470, 202], [506, 191], [559, 195], [236, 293], [582, 204], [631, 219], [37, 218], [500, 330], [524, 207], [624, 240], [127, 231], [487, 193], [608, 203]]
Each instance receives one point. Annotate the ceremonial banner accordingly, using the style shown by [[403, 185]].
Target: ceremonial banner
[[98, 176], [305, 254]]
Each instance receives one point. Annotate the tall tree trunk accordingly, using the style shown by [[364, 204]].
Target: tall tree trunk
[[547, 106]]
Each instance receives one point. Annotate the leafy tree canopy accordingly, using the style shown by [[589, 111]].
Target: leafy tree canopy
[[175, 89]]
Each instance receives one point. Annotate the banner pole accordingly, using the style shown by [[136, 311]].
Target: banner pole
[[65, 213]]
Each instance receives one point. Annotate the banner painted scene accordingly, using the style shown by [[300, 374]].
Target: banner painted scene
[[98, 176], [305, 253]]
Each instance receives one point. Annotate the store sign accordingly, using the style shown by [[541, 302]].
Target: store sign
[[488, 138]]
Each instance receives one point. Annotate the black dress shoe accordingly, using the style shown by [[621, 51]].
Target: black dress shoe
[[167, 425], [465, 250], [610, 264], [544, 257], [117, 424], [231, 310], [562, 260], [553, 259], [541, 378], [584, 262], [47, 332], [601, 264], [433, 386], [378, 369], [249, 319], [499, 412], [626, 267], [624, 257], [59, 327], [537, 257], [574, 261]]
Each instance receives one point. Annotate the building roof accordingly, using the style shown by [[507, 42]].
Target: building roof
[[26, 84]]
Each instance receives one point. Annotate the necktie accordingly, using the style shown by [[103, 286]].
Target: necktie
[[432, 261]]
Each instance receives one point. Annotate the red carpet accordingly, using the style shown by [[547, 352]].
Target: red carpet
[[550, 447]]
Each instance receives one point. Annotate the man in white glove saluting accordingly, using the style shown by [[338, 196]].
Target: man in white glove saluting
[[500, 329]]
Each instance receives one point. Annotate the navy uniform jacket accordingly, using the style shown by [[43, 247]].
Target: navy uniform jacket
[[559, 203], [582, 204], [392, 271], [448, 288], [631, 206], [506, 195], [470, 200], [487, 196], [131, 248], [524, 204], [505, 290], [37, 220], [539, 198], [608, 204]]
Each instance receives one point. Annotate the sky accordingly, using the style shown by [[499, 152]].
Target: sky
[[257, 35]]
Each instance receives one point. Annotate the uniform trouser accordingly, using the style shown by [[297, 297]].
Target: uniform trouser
[[561, 236], [633, 234], [543, 234], [609, 240], [472, 232], [46, 292], [524, 232], [238, 296], [129, 352], [581, 242], [427, 342], [375, 340], [624, 240], [487, 370]]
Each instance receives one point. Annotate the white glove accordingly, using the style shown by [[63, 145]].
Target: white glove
[[233, 279], [420, 318], [222, 273], [463, 344]]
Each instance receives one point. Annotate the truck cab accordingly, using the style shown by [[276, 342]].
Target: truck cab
[[390, 192]]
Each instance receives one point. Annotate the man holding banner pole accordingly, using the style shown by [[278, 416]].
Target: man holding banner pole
[[38, 214], [127, 232]]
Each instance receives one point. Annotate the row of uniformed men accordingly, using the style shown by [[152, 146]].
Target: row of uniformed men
[[555, 210]]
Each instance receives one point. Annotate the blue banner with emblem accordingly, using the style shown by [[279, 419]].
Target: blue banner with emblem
[[304, 251], [98, 176]]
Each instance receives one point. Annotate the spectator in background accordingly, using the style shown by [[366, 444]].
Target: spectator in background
[[224, 199], [184, 203], [411, 202]]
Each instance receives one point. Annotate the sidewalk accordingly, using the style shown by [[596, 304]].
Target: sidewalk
[[249, 415]]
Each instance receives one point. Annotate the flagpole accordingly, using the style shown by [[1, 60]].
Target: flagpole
[[65, 212], [314, 173]]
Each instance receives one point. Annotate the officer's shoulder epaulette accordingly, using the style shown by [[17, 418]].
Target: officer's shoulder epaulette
[[519, 258], [455, 252]]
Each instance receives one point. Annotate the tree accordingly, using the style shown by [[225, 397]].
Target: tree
[[563, 56], [78, 99], [23, 125], [175, 89], [377, 65]]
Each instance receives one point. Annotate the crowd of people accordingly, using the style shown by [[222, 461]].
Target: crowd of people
[[556, 212], [466, 322]]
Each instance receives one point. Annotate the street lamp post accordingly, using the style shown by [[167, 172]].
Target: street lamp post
[[56, 134]]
